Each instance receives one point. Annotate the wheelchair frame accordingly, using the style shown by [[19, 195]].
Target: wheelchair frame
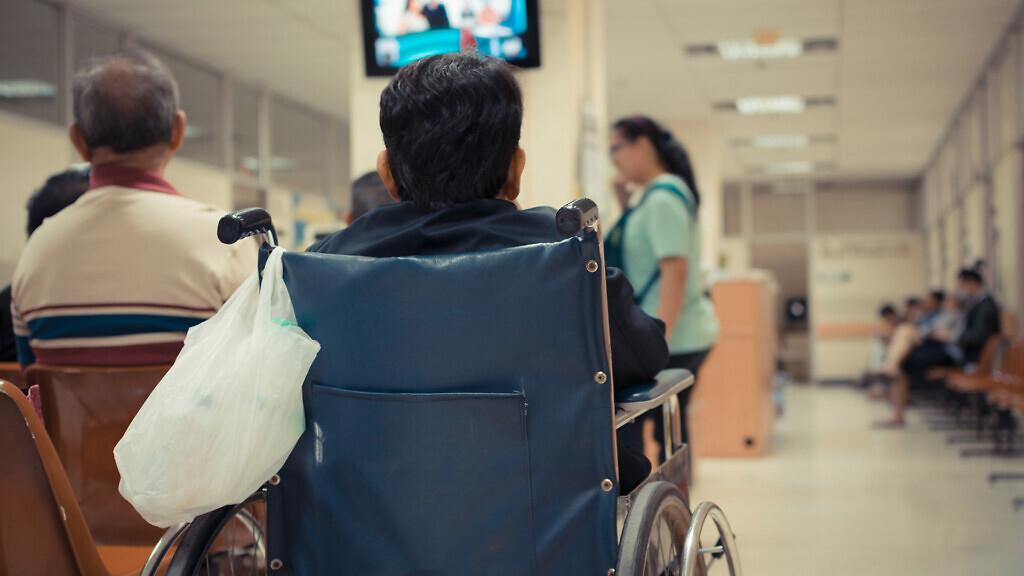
[[662, 488]]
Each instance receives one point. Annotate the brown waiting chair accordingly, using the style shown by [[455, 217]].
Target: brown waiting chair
[[979, 379], [11, 372], [86, 411], [42, 530]]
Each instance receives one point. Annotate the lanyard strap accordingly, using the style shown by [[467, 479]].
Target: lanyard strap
[[638, 297]]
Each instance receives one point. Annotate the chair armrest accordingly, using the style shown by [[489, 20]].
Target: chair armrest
[[643, 397]]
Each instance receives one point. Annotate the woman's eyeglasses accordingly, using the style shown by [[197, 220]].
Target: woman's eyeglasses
[[618, 147]]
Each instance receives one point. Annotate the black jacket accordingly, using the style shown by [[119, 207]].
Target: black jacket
[[982, 323], [639, 350], [8, 351]]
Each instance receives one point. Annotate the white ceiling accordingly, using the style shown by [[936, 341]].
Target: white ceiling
[[297, 48], [901, 69]]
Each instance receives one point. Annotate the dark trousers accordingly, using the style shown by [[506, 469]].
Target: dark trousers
[[930, 354], [632, 434]]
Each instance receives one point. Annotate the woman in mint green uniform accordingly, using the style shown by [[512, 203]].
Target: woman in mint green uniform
[[660, 243]]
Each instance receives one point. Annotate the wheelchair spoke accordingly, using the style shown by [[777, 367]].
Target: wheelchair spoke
[[256, 534], [231, 547], [661, 543]]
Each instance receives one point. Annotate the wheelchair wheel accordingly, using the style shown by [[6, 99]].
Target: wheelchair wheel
[[654, 533], [229, 541]]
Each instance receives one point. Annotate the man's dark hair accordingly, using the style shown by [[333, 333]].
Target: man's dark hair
[[939, 296], [125, 101], [970, 275], [913, 302], [59, 192], [368, 192], [887, 310], [451, 125]]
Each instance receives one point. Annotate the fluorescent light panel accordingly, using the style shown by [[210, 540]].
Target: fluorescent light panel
[[276, 163], [25, 88], [789, 168], [748, 49], [770, 105], [781, 141]]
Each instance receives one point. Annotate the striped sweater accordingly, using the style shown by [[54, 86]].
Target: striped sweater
[[118, 277]]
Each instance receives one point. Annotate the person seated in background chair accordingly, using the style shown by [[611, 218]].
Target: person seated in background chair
[[931, 309], [923, 318], [451, 126], [59, 191], [118, 277], [982, 320], [888, 319], [981, 323], [368, 192], [913, 310]]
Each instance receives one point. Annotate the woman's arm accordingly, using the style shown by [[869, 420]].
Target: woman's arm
[[674, 271]]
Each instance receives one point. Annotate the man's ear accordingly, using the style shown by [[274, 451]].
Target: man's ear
[[78, 141], [515, 176], [384, 171], [178, 132]]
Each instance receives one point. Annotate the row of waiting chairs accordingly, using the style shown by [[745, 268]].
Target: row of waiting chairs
[[988, 402], [64, 464]]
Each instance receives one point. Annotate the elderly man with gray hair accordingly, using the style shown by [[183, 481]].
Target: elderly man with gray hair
[[120, 276]]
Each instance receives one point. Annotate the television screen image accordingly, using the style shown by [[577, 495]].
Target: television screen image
[[397, 32]]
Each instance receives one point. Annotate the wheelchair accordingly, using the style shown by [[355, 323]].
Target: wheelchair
[[460, 419]]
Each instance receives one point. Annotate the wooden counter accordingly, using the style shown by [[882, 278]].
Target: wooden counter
[[732, 411]]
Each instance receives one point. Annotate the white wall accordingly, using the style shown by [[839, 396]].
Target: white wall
[[703, 141], [30, 152], [850, 277], [1008, 213], [975, 229], [953, 230], [866, 207], [201, 182]]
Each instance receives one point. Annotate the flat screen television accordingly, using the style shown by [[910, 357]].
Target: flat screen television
[[397, 32]]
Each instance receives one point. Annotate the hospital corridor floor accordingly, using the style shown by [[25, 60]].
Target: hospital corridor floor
[[836, 497]]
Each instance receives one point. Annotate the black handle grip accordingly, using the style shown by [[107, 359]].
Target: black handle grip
[[244, 223], [572, 218]]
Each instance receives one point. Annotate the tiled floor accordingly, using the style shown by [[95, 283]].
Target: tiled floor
[[836, 497]]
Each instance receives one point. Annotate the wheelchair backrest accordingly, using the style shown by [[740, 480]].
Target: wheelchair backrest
[[455, 423]]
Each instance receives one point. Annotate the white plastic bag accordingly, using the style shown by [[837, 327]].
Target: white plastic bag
[[227, 414]]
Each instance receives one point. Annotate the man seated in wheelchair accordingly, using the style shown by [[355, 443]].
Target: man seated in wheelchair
[[451, 126]]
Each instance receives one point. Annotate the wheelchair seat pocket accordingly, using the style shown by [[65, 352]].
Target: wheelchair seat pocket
[[393, 460]]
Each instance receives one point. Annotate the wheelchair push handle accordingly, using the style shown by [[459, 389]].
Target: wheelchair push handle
[[244, 223], [572, 218]]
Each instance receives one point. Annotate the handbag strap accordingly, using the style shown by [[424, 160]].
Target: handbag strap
[[638, 297]]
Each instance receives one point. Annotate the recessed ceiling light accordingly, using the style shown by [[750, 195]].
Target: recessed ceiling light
[[748, 49], [252, 163], [770, 105], [781, 141], [767, 49], [26, 89], [789, 168]]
